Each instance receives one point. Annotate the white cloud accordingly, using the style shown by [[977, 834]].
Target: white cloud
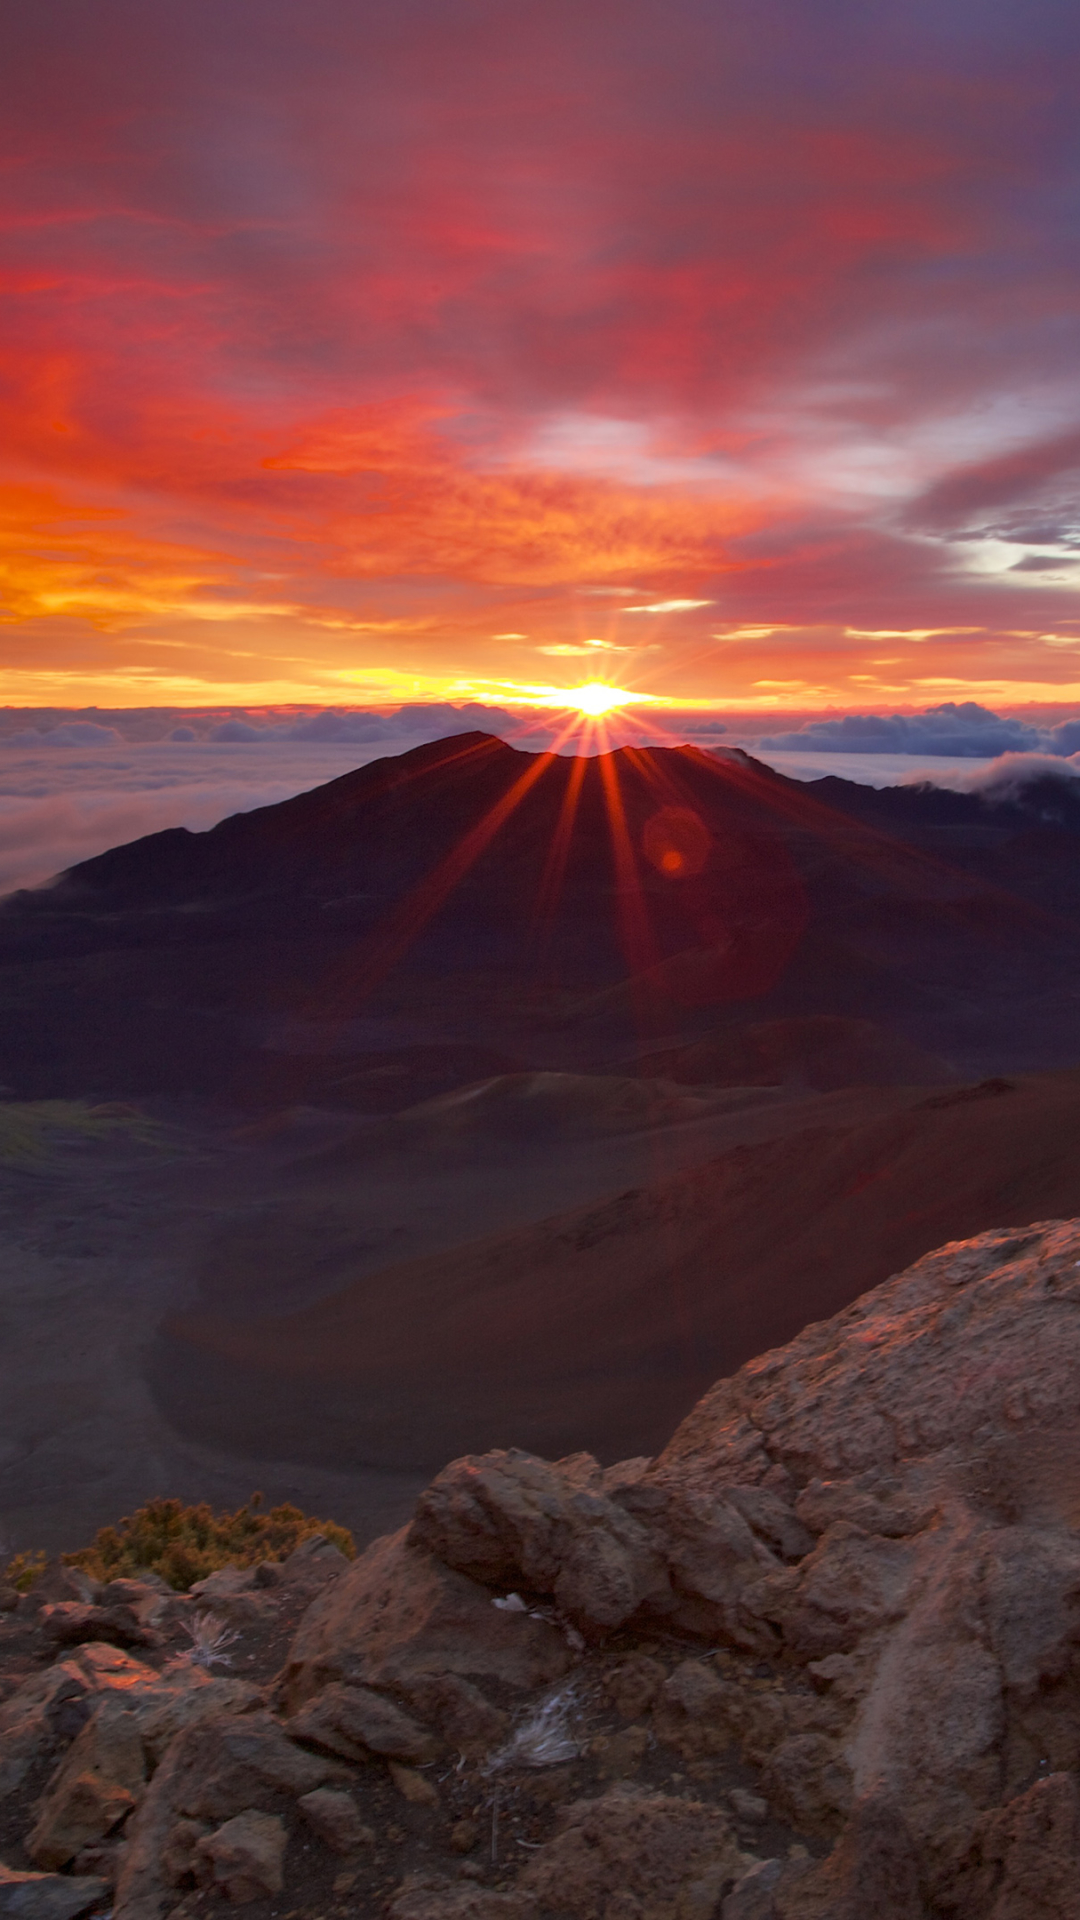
[[668, 606]]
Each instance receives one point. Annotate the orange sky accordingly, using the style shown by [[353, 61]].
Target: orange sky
[[361, 357]]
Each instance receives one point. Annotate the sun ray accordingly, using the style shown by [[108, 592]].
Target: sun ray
[[551, 880], [638, 943], [412, 914]]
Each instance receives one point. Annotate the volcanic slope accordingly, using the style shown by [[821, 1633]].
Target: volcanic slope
[[467, 908], [598, 1327]]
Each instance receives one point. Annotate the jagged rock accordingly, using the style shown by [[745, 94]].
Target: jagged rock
[[627, 1855], [466, 1719], [335, 1817], [670, 1856], [510, 1519], [103, 1666], [68, 1623], [210, 1772], [715, 1564], [185, 1697], [872, 1874], [245, 1857], [773, 1520], [355, 1721], [1025, 1862], [852, 1584], [873, 1501], [930, 1430], [46, 1710], [47, 1896], [97, 1785], [398, 1614], [793, 1737], [149, 1599]]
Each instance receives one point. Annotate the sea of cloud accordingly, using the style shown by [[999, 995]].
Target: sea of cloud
[[72, 785]]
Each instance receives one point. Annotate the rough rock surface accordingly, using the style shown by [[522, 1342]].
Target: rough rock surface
[[47, 1896], [399, 1615], [818, 1661], [244, 1857]]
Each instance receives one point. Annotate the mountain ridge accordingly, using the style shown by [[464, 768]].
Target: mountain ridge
[[568, 914]]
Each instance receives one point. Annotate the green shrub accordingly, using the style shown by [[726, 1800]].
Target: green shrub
[[184, 1544], [23, 1570]]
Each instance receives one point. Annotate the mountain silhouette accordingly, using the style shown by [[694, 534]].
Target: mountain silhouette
[[468, 909]]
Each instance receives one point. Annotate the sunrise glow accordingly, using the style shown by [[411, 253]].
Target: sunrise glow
[[593, 347], [596, 699]]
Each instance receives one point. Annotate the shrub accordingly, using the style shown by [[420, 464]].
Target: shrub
[[184, 1544], [23, 1570]]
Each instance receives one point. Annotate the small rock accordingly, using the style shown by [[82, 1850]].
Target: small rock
[[748, 1806], [464, 1716], [464, 1836], [335, 1817], [413, 1785], [633, 1685], [105, 1666], [9, 1599], [245, 1857], [620, 1754]]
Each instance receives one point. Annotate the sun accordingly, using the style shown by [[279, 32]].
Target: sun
[[595, 698]]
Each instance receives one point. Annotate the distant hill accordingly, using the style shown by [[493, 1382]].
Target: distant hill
[[467, 903], [600, 1326]]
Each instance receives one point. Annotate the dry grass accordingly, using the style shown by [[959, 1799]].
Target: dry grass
[[184, 1544]]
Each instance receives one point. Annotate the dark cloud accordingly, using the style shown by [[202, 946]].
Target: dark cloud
[[76, 733], [1002, 481], [954, 730]]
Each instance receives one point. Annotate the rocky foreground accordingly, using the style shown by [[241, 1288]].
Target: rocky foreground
[[820, 1658]]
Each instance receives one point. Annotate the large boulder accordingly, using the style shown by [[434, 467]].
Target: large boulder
[[888, 1507], [96, 1787], [514, 1521], [399, 1615]]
